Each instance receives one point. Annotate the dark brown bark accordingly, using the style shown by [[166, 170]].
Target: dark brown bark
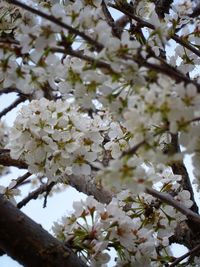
[[28, 243], [162, 7], [7, 161]]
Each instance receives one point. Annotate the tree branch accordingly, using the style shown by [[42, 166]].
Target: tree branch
[[166, 198], [171, 72], [34, 194], [189, 253], [78, 54], [196, 11], [58, 22], [89, 187], [179, 168], [13, 105], [29, 244], [81, 183], [109, 19], [127, 10], [22, 178], [8, 90], [133, 149], [6, 160], [162, 7]]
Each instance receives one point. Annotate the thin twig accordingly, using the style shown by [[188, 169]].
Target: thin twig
[[192, 251], [13, 105], [22, 178], [144, 23], [78, 54], [109, 19], [48, 190], [34, 194], [171, 72], [58, 22], [166, 198], [133, 149]]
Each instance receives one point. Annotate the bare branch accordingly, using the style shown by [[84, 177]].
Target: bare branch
[[34, 194], [47, 192], [22, 178], [189, 253], [13, 105], [8, 90], [122, 22]]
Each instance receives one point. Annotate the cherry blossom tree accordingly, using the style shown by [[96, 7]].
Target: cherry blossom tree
[[111, 108]]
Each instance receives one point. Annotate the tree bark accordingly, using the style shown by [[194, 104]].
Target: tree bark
[[28, 243]]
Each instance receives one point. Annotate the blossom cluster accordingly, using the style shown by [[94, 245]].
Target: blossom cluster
[[137, 228], [52, 137]]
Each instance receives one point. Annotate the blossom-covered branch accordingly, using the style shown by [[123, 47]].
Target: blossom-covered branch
[[166, 198], [57, 22]]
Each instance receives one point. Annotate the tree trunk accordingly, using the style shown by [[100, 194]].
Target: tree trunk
[[28, 243]]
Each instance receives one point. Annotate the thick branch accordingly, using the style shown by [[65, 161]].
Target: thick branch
[[179, 168], [28, 243], [6, 160], [89, 187], [81, 183]]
